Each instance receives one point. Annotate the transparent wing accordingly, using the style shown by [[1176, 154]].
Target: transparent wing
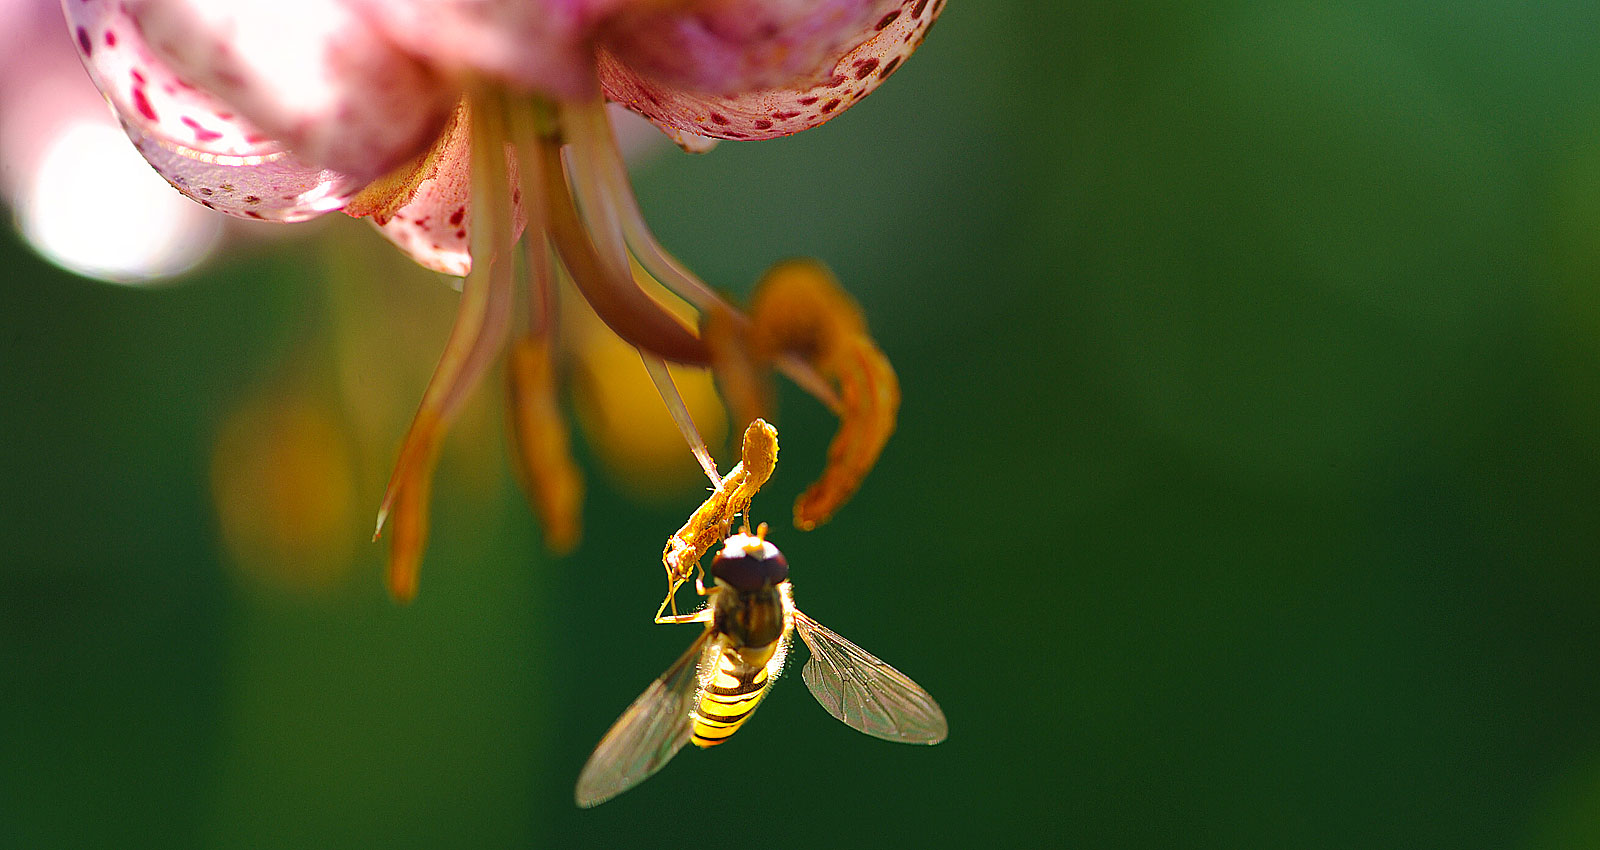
[[865, 693], [648, 734]]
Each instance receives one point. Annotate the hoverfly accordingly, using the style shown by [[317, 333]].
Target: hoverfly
[[709, 692]]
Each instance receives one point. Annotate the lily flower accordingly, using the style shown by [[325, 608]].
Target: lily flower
[[465, 128]]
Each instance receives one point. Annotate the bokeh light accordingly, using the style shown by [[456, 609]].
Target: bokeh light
[[93, 206]]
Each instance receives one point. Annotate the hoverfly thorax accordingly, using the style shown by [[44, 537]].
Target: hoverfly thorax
[[749, 604]]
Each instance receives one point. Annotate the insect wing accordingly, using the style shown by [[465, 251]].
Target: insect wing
[[865, 693], [648, 734]]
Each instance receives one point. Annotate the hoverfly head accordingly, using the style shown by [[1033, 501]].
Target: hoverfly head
[[748, 562]]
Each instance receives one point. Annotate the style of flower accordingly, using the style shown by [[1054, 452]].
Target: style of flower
[[465, 128]]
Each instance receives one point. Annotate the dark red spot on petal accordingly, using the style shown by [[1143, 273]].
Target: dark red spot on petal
[[719, 118], [255, 215], [865, 67], [84, 43], [763, 124], [808, 100], [455, 217], [916, 11], [887, 19], [201, 134], [889, 68], [142, 103], [830, 105], [111, 39], [138, 78]]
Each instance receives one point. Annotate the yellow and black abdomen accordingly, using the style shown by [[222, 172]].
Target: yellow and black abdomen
[[733, 691]]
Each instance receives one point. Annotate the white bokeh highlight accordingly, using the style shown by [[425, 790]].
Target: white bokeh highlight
[[168, 235]]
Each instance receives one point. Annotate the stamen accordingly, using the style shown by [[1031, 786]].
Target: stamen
[[710, 522], [589, 131], [657, 369], [613, 173], [615, 298], [481, 325], [542, 444], [538, 263], [798, 307], [609, 168]]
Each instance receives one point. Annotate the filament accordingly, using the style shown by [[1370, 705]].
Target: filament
[[589, 131], [484, 317]]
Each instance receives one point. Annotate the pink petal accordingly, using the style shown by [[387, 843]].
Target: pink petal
[[198, 143], [543, 46], [431, 226], [758, 69], [313, 74], [430, 218]]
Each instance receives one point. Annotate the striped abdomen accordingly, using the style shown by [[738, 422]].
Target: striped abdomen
[[733, 692]]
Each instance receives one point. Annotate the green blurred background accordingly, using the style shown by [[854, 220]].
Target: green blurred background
[[1246, 492]]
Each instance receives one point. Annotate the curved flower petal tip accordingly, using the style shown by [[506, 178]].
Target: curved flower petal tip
[[310, 73], [197, 142], [851, 48]]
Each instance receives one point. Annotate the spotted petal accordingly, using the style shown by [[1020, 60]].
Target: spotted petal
[[426, 209], [312, 74], [787, 67], [197, 142]]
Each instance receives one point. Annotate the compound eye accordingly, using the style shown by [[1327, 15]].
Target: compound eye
[[748, 563]]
